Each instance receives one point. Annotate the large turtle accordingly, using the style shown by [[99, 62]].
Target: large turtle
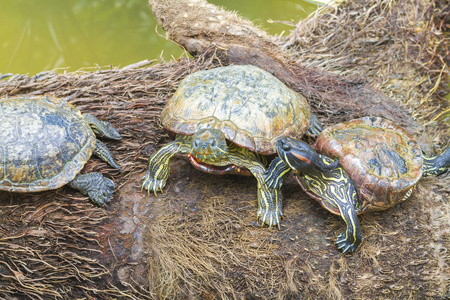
[[244, 105], [377, 166], [44, 144]]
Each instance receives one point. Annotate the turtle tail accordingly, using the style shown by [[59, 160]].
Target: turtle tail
[[436, 165]]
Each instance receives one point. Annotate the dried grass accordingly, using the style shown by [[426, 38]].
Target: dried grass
[[398, 46]]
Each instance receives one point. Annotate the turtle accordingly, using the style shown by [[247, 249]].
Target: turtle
[[227, 120], [45, 142], [362, 165]]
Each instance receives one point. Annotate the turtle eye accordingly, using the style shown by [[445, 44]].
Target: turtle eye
[[285, 146], [213, 143], [196, 144]]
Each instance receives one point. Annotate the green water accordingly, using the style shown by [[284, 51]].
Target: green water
[[44, 35]]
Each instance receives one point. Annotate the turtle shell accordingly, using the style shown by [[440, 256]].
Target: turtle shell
[[382, 159], [250, 106], [44, 143]]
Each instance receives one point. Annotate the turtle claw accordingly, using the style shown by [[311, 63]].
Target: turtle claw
[[103, 193], [345, 243], [269, 206], [99, 188], [269, 216], [153, 185]]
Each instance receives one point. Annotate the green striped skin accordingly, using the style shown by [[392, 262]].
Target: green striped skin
[[436, 165], [319, 175], [158, 164], [210, 147], [328, 182], [337, 195]]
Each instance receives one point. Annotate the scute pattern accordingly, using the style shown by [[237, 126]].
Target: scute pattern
[[250, 106], [44, 144], [382, 159]]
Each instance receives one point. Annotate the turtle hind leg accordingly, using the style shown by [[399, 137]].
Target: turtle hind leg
[[436, 165], [99, 188], [101, 151], [102, 128], [269, 199]]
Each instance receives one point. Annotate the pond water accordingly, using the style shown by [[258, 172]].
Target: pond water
[[71, 34]]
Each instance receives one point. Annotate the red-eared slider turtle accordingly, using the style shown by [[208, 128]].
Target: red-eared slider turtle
[[224, 119], [44, 144], [377, 166]]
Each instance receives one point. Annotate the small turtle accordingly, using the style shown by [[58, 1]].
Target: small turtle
[[44, 144], [377, 166], [226, 119]]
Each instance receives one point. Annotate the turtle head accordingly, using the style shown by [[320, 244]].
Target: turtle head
[[436, 165], [298, 155], [209, 145], [302, 157], [102, 128]]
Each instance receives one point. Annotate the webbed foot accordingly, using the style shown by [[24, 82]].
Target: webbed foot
[[158, 164], [348, 243], [152, 184], [99, 188], [270, 217], [270, 207]]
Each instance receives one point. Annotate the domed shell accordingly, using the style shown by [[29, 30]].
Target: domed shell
[[44, 143], [250, 106], [382, 159]]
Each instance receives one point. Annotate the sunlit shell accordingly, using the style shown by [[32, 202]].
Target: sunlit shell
[[382, 159], [250, 106], [44, 143]]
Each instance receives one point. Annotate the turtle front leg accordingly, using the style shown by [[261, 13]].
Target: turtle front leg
[[101, 151], [277, 172], [99, 188], [337, 193], [269, 199], [158, 165], [270, 203], [351, 238]]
